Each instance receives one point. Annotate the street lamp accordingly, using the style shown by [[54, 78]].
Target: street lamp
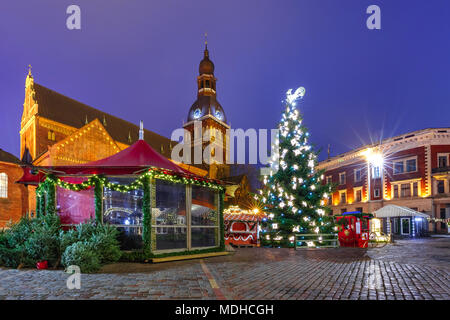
[[376, 160]]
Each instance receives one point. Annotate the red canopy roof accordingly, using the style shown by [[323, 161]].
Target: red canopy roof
[[139, 154]]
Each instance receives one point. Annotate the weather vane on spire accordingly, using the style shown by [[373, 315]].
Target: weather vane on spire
[[206, 39], [29, 69]]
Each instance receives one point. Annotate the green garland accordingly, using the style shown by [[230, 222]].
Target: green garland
[[50, 203], [38, 203], [222, 227], [98, 193], [147, 217], [136, 184]]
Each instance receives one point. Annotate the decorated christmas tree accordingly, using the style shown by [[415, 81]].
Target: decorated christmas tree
[[294, 193]]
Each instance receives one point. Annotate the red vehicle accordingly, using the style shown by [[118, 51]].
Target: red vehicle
[[354, 229]]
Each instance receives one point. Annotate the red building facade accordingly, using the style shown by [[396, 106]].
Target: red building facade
[[410, 170]]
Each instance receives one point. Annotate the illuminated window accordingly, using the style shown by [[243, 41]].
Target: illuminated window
[[3, 185], [51, 135], [329, 179], [396, 191], [376, 172], [358, 195], [405, 190], [343, 196]]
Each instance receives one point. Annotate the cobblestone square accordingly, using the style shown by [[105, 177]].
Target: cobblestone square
[[406, 270]]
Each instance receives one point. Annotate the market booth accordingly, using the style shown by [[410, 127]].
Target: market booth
[[402, 221], [242, 226], [354, 229], [156, 205]]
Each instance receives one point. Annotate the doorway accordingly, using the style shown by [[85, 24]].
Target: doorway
[[405, 224]]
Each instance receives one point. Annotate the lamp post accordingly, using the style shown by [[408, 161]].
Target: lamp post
[[375, 159]]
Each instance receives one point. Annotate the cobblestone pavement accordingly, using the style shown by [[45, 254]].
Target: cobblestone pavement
[[408, 269]]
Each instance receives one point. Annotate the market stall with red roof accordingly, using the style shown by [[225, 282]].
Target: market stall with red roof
[[157, 205], [242, 226]]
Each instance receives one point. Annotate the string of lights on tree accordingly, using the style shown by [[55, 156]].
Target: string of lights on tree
[[294, 193]]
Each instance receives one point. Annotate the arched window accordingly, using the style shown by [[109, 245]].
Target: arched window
[[3, 185], [51, 135]]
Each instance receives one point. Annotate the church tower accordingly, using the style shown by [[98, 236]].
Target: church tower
[[207, 113]]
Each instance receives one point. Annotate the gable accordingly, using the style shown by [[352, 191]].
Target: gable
[[89, 143]]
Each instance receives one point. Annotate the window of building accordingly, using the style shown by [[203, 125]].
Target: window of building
[[360, 209], [342, 178], [51, 135], [443, 160], [411, 165], [358, 195], [441, 186], [343, 196], [329, 179], [415, 189], [207, 83], [344, 210], [405, 190], [3, 185], [398, 167], [405, 165], [376, 172], [376, 192], [396, 194], [358, 175]]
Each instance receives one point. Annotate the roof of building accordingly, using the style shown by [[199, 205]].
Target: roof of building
[[206, 105], [385, 141], [8, 157], [57, 107], [139, 154], [206, 65]]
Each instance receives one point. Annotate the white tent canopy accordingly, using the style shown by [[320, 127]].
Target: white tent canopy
[[398, 211]]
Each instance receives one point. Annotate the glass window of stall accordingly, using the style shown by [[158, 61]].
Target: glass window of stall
[[169, 216], [204, 218], [124, 209]]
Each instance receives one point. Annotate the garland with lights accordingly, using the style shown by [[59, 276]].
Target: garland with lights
[[47, 188], [294, 194]]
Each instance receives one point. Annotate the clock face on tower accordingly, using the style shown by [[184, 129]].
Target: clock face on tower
[[219, 115], [197, 113]]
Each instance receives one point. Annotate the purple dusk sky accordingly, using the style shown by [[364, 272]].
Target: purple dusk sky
[[138, 59]]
